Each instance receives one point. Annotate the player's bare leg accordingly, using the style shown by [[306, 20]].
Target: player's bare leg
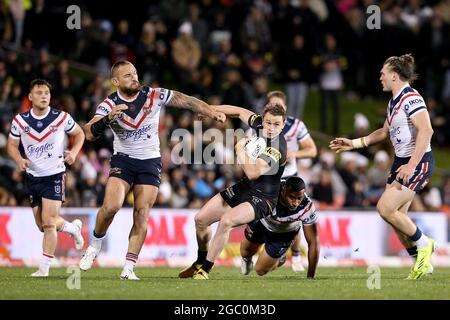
[[144, 198], [248, 250], [208, 214], [73, 228], [297, 264], [265, 263], [395, 197], [237, 216], [49, 212], [115, 192]]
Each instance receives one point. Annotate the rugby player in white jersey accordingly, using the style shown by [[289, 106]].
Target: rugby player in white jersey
[[42, 132], [409, 128], [132, 112], [278, 230], [300, 145]]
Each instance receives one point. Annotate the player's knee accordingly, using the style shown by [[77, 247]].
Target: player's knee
[[384, 210], [110, 209], [40, 227], [226, 222], [261, 271], [200, 221], [48, 227]]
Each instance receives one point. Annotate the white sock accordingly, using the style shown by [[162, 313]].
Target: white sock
[[422, 242], [69, 228], [46, 261], [97, 242], [130, 261]]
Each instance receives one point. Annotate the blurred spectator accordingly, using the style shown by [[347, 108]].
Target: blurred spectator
[[186, 54], [330, 63], [295, 64], [377, 177]]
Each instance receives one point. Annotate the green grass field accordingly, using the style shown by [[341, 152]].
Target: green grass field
[[224, 283]]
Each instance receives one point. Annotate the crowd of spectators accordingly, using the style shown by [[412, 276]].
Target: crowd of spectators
[[228, 51]]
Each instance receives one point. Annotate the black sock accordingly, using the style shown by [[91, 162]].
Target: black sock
[[201, 257], [207, 265], [412, 252], [99, 236]]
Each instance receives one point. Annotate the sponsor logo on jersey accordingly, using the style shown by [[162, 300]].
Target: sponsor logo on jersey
[[135, 135], [36, 151], [53, 128], [26, 129], [256, 200], [415, 101], [273, 153]]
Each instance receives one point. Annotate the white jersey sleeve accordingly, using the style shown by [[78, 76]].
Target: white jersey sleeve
[[311, 215], [104, 108], [16, 130], [413, 105], [69, 124], [302, 132], [164, 96]]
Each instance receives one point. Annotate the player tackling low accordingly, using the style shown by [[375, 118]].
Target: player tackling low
[[278, 231]]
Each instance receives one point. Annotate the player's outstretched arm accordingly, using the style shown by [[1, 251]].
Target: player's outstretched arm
[[235, 112], [312, 238], [12, 148], [344, 144], [181, 100], [77, 144]]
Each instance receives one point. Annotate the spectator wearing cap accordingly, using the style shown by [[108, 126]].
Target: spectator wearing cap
[[186, 54]]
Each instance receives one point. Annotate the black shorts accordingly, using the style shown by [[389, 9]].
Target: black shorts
[[135, 171], [275, 244], [49, 187], [422, 173], [241, 192]]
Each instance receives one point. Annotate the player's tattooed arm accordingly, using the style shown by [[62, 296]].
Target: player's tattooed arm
[[181, 100]]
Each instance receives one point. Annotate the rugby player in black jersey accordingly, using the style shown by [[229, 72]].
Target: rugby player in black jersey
[[252, 198]]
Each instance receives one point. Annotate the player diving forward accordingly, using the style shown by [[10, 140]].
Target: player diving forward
[[42, 132], [278, 230]]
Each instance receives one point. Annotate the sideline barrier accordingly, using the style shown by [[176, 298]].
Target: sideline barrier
[[347, 238]]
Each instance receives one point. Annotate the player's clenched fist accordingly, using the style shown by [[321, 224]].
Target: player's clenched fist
[[117, 112], [23, 164], [69, 157]]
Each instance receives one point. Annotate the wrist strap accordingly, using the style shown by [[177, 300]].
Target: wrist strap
[[359, 143]]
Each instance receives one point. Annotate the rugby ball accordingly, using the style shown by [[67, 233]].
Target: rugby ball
[[255, 146]]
